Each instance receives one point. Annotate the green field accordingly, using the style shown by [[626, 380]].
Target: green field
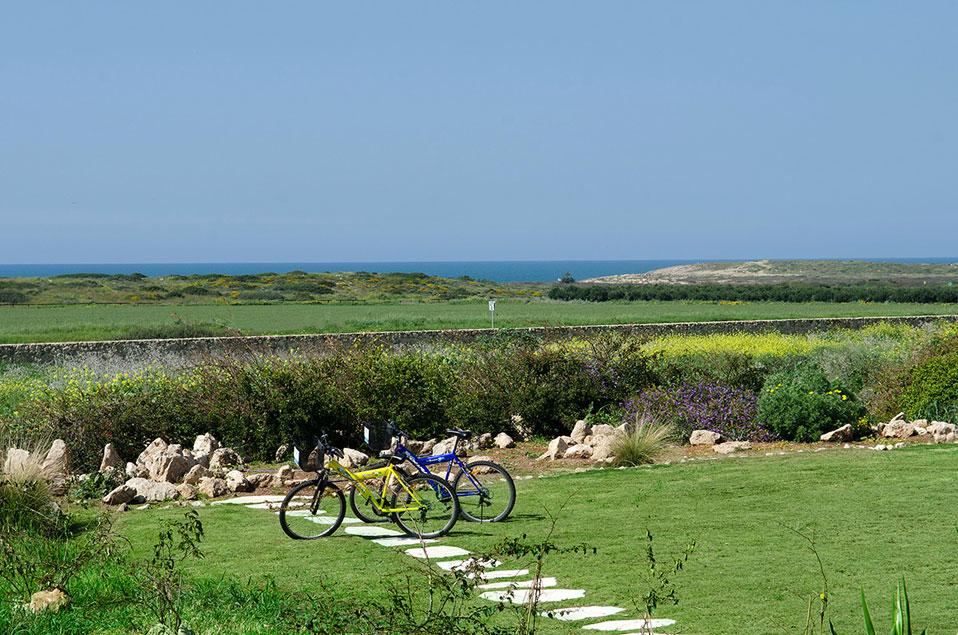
[[876, 515], [104, 322]]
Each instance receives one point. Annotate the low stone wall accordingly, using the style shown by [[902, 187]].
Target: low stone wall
[[179, 352]]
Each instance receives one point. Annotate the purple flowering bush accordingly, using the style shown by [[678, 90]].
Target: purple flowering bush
[[732, 412]]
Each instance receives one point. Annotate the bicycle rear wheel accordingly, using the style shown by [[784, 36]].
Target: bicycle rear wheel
[[312, 510], [364, 509], [438, 509], [486, 492]]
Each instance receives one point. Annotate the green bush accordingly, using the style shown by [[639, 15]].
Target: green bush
[[931, 390], [800, 404]]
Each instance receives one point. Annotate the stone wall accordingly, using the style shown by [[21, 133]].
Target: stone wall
[[179, 352]]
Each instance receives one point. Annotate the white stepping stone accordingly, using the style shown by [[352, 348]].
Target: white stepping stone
[[249, 500], [544, 583], [303, 512], [263, 506], [457, 565], [504, 573], [581, 613], [628, 625], [402, 542], [442, 551], [370, 531], [521, 596], [328, 520]]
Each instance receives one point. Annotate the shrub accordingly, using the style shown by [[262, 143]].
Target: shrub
[[931, 390], [800, 404], [732, 412], [644, 439]]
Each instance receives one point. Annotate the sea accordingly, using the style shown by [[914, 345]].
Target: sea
[[495, 270]]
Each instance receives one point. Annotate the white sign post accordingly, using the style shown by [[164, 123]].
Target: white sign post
[[492, 312]]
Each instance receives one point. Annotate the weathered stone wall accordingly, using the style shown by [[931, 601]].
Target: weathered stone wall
[[179, 352]]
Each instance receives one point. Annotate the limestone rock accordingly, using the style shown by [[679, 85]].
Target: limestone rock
[[503, 441], [52, 600], [281, 452], [223, 458], [152, 491], [445, 446], [120, 495], [133, 471], [839, 435], [17, 461], [578, 451], [731, 446], [580, 431], [237, 482], [195, 474], [213, 487], [353, 458], [480, 469], [602, 430], [557, 448], [704, 437], [170, 466], [483, 441], [898, 429], [260, 480], [187, 492], [940, 427], [155, 447], [111, 459], [602, 448], [205, 444], [283, 474], [56, 464]]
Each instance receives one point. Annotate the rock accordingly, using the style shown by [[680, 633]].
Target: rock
[[281, 452], [152, 491], [839, 435], [580, 431], [56, 464], [483, 441], [120, 495], [223, 458], [155, 447], [136, 471], [213, 487], [704, 437], [187, 492], [900, 444], [602, 430], [170, 466], [283, 474], [445, 446], [52, 600], [731, 446], [353, 458], [205, 444], [588, 440], [557, 448], [898, 429], [940, 427], [237, 482], [202, 459], [260, 480], [111, 459], [948, 437], [602, 449], [578, 451], [195, 474], [503, 441], [920, 430], [17, 461]]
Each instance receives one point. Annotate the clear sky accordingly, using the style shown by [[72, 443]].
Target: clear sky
[[308, 131]]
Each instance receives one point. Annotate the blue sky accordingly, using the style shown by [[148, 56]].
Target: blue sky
[[241, 131]]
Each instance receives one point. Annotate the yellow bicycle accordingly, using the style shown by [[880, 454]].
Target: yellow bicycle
[[423, 505]]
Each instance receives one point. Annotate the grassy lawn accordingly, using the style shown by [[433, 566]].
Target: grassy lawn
[[102, 322], [875, 514]]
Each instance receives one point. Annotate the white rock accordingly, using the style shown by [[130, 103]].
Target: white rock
[[152, 491], [898, 429], [223, 458], [353, 458], [602, 430], [837, 435], [111, 459], [602, 449], [195, 474], [704, 437], [120, 495], [504, 441], [629, 625], [442, 551], [213, 487], [56, 464], [557, 448], [155, 447], [283, 474], [580, 431], [187, 492], [580, 451], [445, 446], [731, 446], [237, 482], [205, 444], [17, 461], [521, 596], [483, 441]]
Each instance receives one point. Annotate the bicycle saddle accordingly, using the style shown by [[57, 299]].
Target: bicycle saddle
[[462, 434]]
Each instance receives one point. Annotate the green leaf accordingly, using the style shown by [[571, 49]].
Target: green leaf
[[869, 627]]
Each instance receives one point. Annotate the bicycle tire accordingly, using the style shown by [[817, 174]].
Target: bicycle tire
[[362, 514], [287, 507], [473, 513], [444, 501]]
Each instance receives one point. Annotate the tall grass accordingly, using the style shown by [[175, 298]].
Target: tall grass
[[644, 440]]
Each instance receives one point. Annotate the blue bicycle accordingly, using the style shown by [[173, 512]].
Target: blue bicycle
[[485, 489]]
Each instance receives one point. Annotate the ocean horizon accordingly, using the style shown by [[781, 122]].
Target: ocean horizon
[[494, 270]]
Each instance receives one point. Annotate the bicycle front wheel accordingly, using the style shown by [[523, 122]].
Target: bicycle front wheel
[[312, 510], [436, 511], [486, 492]]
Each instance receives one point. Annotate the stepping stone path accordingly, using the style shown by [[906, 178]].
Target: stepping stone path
[[510, 590]]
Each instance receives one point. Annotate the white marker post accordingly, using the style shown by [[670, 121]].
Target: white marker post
[[492, 312]]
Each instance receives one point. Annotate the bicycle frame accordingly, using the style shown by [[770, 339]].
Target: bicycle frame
[[453, 460], [389, 476]]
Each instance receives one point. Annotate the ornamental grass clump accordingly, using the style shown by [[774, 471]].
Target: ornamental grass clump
[[644, 440], [25, 498], [732, 412]]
